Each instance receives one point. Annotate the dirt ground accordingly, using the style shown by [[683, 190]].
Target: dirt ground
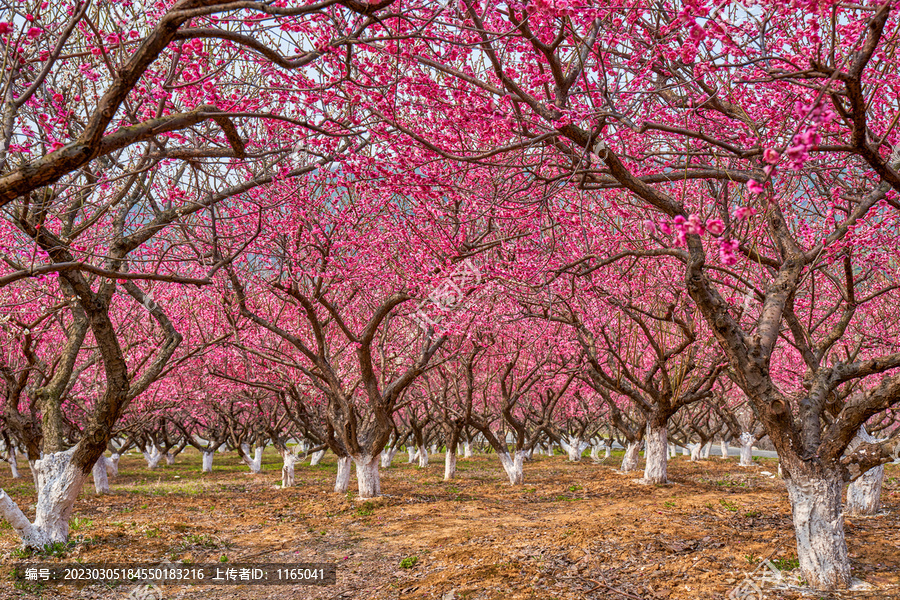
[[573, 531]]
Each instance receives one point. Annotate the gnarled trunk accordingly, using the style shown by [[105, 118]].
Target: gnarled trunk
[[101, 482], [411, 451], [207, 461], [655, 459], [254, 463], [704, 453], [723, 446], [819, 527], [368, 478], [316, 457], [514, 466], [59, 483], [342, 481], [423, 457], [630, 460]]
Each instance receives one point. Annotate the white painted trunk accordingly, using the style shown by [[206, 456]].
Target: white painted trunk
[[864, 494], [819, 527], [316, 457], [13, 463], [434, 449], [595, 452], [368, 478], [222, 449], [255, 463], [152, 456], [707, 448], [170, 459], [747, 442], [723, 446], [101, 482], [607, 452], [423, 457], [695, 452], [467, 450], [673, 451], [655, 459], [387, 457], [287, 468], [112, 465], [685, 451], [59, 484], [573, 447], [207, 462], [449, 465], [630, 460], [514, 466], [342, 481], [411, 451]]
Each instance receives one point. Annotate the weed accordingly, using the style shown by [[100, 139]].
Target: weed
[[786, 564], [729, 506], [409, 562], [575, 488], [367, 509], [79, 524], [669, 504], [751, 514]]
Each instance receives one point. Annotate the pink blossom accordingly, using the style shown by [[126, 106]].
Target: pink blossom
[[715, 227], [34, 32], [743, 212], [771, 156], [755, 187], [5, 28]]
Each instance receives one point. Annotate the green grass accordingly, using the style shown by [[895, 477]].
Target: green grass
[[729, 506], [80, 524], [366, 509], [786, 564], [409, 562]]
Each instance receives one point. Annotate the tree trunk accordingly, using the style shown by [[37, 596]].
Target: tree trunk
[[412, 454], [864, 494], [685, 451], [607, 451], [449, 465], [254, 463], [673, 451], [695, 452], [13, 463], [387, 457], [316, 457], [655, 459], [704, 453], [630, 461], [170, 459], [423, 457], [112, 465], [434, 449], [819, 527], [101, 482], [573, 447], [747, 442], [342, 482], [513, 465], [467, 449], [368, 478], [723, 446], [153, 456], [59, 483], [287, 469], [207, 461]]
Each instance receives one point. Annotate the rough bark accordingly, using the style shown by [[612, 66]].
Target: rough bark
[[316, 457], [819, 527], [630, 460], [287, 469], [864, 494], [207, 461], [449, 465], [368, 478], [513, 465], [655, 458], [423, 457], [747, 440], [387, 457]]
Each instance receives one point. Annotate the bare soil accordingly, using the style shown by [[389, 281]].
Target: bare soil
[[573, 531]]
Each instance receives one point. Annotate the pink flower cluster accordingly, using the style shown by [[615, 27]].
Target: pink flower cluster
[[681, 227]]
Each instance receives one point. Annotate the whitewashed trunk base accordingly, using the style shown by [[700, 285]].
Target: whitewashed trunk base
[[316, 457], [368, 478], [112, 465], [864, 494], [152, 456], [655, 456], [819, 527], [449, 465], [207, 462], [101, 481], [287, 469], [342, 481], [387, 457], [514, 466], [704, 453], [630, 460], [423, 457], [411, 451], [723, 446]]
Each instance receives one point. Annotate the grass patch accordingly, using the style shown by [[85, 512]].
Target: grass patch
[[409, 562]]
